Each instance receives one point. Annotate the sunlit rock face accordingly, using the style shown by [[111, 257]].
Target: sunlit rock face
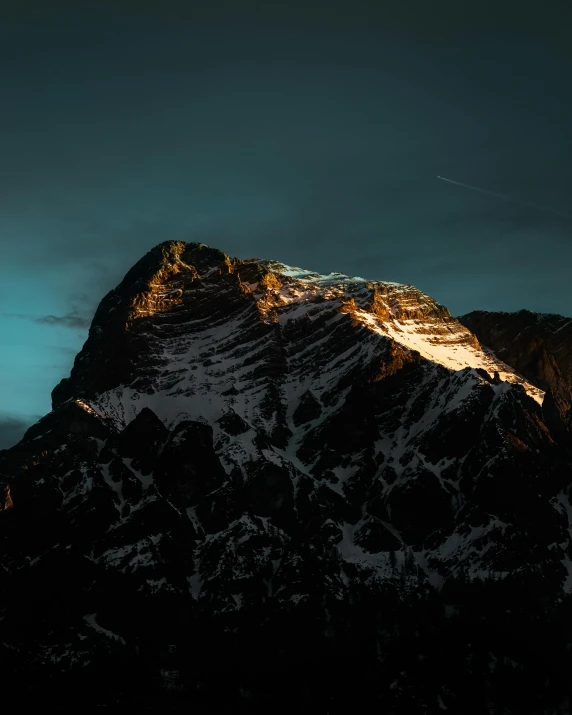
[[255, 468]]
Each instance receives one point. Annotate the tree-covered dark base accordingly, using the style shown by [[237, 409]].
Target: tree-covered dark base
[[493, 651]]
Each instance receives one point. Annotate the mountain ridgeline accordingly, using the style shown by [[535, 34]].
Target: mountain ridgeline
[[263, 488]]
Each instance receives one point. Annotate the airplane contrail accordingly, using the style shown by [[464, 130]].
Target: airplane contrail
[[563, 214]]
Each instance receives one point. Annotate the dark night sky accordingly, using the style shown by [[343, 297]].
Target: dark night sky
[[306, 132]]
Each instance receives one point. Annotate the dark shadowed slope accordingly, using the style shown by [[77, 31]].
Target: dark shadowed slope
[[537, 345]]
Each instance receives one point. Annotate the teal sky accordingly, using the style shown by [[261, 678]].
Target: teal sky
[[310, 133]]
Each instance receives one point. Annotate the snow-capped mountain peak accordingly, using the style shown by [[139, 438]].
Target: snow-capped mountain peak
[[249, 448]]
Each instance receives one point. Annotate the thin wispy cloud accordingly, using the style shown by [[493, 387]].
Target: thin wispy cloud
[[70, 320], [12, 428], [73, 319]]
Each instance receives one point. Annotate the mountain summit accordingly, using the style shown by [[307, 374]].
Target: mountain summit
[[259, 476], [184, 300]]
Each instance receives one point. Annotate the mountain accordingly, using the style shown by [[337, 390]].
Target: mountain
[[263, 488], [539, 346]]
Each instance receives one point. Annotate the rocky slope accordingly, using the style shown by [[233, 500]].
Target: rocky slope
[[539, 346], [262, 486]]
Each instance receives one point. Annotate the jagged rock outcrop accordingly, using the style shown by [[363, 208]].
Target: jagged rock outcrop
[[258, 475]]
